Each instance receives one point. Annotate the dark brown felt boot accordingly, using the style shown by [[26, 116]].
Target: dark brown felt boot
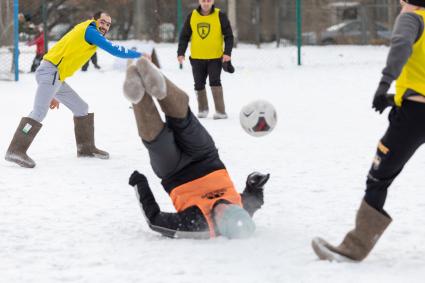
[[370, 225], [203, 110], [24, 135], [153, 79], [84, 137], [175, 103], [148, 120], [220, 112]]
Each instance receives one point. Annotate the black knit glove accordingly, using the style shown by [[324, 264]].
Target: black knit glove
[[256, 181], [380, 100], [138, 179], [253, 195], [228, 67]]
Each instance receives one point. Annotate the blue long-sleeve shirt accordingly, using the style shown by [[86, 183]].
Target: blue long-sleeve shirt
[[93, 36]]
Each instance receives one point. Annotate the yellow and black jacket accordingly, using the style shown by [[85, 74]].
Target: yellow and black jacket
[[405, 61]]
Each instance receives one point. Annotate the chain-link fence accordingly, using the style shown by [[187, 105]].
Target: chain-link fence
[[6, 39], [254, 21]]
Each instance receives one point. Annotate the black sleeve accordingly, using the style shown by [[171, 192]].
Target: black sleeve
[[407, 30], [146, 199], [185, 35], [189, 223], [226, 29]]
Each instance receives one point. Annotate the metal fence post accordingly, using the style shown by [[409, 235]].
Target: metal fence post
[[16, 38], [278, 23], [258, 23], [44, 16], [179, 18], [299, 41]]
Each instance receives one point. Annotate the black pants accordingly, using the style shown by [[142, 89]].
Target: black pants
[[405, 134], [202, 69], [181, 142], [93, 60], [36, 62]]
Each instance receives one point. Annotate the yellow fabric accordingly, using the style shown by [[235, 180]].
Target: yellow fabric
[[413, 74], [207, 37], [71, 52]]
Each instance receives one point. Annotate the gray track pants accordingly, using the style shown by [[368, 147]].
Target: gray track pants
[[50, 87]]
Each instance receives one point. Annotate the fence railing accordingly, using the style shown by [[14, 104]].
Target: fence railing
[[254, 21]]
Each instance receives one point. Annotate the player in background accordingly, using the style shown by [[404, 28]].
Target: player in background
[[183, 155], [68, 55], [207, 28], [93, 59], [38, 41], [405, 134]]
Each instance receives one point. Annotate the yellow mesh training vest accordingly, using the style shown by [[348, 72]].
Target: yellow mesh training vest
[[71, 52], [207, 37], [413, 74]]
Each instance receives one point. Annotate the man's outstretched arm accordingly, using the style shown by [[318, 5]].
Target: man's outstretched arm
[[186, 224], [93, 36]]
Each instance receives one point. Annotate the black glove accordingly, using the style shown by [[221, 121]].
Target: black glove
[[256, 181], [253, 195], [380, 100], [228, 67], [136, 178]]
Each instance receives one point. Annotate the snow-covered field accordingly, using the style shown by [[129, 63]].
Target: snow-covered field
[[77, 220]]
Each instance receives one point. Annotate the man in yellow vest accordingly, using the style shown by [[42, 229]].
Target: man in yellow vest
[[405, 134], [183, 155], [66, 57], [208, 28]]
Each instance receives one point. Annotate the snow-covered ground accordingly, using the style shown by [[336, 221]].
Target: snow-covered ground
[[77, 220]]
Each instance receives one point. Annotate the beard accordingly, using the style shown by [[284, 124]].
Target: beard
[[102, 31]]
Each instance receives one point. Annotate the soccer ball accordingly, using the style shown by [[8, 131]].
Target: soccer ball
[[258, 118]]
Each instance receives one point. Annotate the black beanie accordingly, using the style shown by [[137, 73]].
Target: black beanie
[[419, 3]]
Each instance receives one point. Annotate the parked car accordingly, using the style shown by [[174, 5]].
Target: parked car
[[348, 32]]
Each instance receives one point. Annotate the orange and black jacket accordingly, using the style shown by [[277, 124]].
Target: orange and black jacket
[[194, 200]]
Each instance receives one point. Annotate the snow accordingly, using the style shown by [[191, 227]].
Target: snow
[[77, 220]]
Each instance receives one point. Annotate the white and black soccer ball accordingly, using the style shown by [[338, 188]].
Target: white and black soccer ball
[[258, 118]]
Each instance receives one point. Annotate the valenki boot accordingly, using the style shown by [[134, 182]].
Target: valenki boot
[[153, 79], [173, 100], [175, 104], [370, 225], [24, 135], [84, 137], [220, 112], [133, 87], [148, 120], [203, 110]]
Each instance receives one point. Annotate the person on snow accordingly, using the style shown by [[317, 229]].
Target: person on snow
[[183, 155], [38, 41], [60, 63], [405, 133]]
